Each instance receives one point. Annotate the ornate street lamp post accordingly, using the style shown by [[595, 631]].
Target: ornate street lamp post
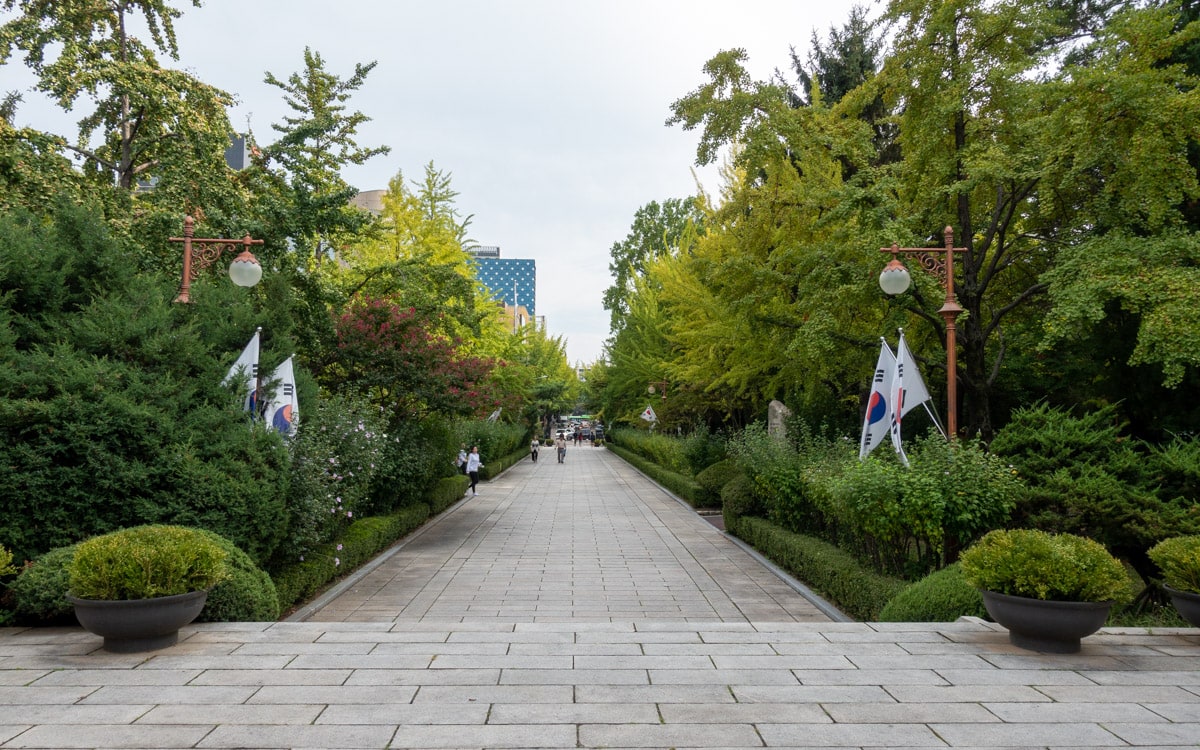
[[895, 280], [199, 253], [655, 385]]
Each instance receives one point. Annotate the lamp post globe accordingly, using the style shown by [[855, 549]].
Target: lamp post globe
[[894, 279], [245, 269]]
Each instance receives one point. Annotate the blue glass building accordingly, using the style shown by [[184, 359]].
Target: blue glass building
[[512, 281]]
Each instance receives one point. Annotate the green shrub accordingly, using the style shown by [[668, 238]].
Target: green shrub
[[446, 492], [914, 519], [146, 562], [247, 595], [1179, 560], [40, 589], [1039, 565], [943, 596], [702, 449], [712, 480], [830, 571], [738, 500], [661, 450]]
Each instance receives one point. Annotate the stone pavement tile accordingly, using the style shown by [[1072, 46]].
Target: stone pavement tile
[[1158, 677], [653, 694], [1135, 693], [573, 713], [457, 648], [643, 662], [840, 735], [579, 649], [1180, 712], [372, 660], [713, 649], [1073, 712], [1006, 734], [940, 662], [784, 677], [574, 677], [217, 662], [77, 714], [8, 731], [909, 713], [670, 636], [404, 714], [1077, 662], [440, 694], [911, 694], [273, 677], [225, 713], [298, 736], [47, 696], [783, 661], [307, 648], [669, 735], [424, 677], [1012, 677], [333, 694], [755, 693], [429, 737], [118, 677], [816, 648], [503, 661], [1156, 733], [887, 677], [523, 637], [165, 694], [743, 713], [69, 736], [20, 676]]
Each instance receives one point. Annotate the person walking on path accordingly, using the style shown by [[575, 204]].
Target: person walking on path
[[474, 464], [561, 444], [461, 460], [533, 449]]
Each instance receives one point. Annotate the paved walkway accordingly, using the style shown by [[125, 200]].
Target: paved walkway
[[578, 605]]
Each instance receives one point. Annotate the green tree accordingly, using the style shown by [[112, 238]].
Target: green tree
[[148, 121], [315, 144], [657, 230]]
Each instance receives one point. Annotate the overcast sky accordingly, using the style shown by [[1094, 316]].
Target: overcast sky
[[548, 114]]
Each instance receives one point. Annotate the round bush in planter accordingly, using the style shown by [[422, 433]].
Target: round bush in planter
[[1179, 560], [138, 586], [1049, 590]]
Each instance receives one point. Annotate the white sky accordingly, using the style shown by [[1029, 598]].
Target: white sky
[[549, 115]]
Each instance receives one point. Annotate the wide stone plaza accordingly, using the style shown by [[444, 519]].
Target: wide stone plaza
[[579, 605]]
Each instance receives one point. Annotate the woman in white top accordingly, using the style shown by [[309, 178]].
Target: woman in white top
[[474, 464]]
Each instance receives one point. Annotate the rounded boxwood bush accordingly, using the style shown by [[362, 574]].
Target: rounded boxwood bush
[[737, 500], [1179, 560], [943, 596], [1039, 565], [247, 595], [145, 562], [39, 592], [712, 480]]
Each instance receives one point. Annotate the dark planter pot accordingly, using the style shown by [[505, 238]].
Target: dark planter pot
[[1186, 603], [1039, 625], [133, 625]]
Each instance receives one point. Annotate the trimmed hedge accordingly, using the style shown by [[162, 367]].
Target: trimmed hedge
[[247, 595], [832, 572], [678, 484], [712, 481], [362, 540]]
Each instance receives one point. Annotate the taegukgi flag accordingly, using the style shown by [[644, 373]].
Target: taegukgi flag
[[649, 414], [878, 420], [907, 389], [283, 412], [245, 371]]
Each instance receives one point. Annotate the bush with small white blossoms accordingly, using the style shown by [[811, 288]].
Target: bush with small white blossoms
[[334, 459]]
